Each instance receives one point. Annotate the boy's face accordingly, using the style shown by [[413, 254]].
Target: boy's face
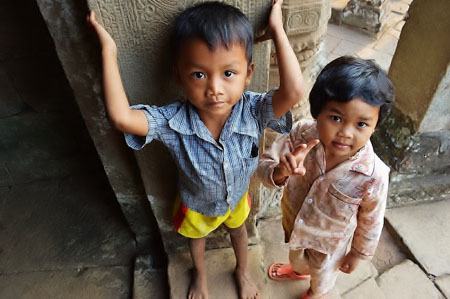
[[213, 81], [344, 128]]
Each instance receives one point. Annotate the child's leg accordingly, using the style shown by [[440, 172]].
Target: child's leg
[[239, 240], [198, 288], [324, 269]]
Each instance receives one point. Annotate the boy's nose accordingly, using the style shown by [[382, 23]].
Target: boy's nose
[[214, 87]]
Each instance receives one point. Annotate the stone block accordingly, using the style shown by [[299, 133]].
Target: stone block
[[367, 290], [407, 281], [99, 283], [364, 271], [149, 282], [427, 240], [443, 283], [60, 228], [388, 253], [10, 102], [220, 265]]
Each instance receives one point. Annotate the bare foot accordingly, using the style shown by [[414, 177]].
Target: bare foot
[[247, 290], [198, 288]]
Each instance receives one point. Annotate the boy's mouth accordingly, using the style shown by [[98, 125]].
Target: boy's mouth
[[340, 145]]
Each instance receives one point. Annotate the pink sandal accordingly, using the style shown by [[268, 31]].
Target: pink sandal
[[283, 271]]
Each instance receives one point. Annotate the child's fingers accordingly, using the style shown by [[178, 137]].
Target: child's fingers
[[302, 150], [290, 159], [285, 165]]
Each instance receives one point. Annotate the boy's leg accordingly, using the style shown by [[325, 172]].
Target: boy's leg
[[198, 288], [239, 240]]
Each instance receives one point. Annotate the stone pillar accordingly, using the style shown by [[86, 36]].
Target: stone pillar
[[305, 23], [415, 140], [80, 58]]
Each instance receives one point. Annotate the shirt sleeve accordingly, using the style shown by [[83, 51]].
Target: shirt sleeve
[[155, 119], [262, 109], [370, 218], [271, 158]]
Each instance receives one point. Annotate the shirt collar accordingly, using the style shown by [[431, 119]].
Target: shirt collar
[[364, 160], [240, 121]]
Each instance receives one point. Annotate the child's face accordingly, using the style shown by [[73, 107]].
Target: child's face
[[344, 128], [213, 81]]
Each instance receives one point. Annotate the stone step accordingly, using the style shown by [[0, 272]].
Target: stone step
[[149, 282], [220, 265], [407, 281], [367, 290], [424, 230]]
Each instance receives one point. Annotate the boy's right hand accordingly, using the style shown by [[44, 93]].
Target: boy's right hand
[[291, 163], [104, 37]]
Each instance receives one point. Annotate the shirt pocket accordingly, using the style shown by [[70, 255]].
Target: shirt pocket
[[339, 206]]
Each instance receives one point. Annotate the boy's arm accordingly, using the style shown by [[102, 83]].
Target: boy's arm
[[122, 117], [291, 86]]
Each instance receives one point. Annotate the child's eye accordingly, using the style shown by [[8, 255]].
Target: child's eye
[[335, 118], [362, 125], [198, 75], [228, 74]]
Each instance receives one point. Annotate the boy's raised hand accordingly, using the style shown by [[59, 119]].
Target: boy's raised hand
[[275, 21], [291, 163], [104, 37]]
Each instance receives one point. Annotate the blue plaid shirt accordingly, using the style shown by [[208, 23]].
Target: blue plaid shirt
[[212, 175]]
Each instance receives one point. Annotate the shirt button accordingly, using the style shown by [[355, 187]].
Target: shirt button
[[300, 221], [309, 200], [321, 178]]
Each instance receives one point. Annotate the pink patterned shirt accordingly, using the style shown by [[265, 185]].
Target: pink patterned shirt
[[323, 210]]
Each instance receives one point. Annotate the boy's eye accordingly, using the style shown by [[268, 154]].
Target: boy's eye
[[362, 125], [335, 118], [228, 74], [198, 75]]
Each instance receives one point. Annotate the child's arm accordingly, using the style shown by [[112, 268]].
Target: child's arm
[[291, 86], [117, 106]]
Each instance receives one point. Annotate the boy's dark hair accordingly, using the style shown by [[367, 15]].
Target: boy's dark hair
[[214, 22], [346, 78]]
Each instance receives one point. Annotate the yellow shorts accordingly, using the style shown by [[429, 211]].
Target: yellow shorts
[[194, 225]]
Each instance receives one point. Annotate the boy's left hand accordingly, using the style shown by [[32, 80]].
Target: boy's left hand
[[275, 22], [349, 263]]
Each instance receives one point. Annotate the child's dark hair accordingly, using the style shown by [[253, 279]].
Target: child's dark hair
[[346, 78], [214, 22]]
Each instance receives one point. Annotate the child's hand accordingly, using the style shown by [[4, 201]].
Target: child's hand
[[104, 37], [291, 163], [349, 263], [275, 22]]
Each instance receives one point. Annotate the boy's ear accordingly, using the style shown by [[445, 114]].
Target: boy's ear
[[250, 69]]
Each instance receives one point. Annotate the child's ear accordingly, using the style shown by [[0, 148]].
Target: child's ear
[[250, 69]]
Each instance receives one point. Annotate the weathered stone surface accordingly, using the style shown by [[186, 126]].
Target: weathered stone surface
[[443, 283], [366, 15], [407, 281], [10, 102], [149, 282], [364, 271], [79, 56], [46, 226], [423, 35], [427, 240], [388, 253], [220, 265], [367, 290], [99, 283]]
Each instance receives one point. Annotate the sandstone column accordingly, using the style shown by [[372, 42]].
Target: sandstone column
[[416, 138]]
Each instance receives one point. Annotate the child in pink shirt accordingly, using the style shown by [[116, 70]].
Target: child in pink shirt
[[335, 186]]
